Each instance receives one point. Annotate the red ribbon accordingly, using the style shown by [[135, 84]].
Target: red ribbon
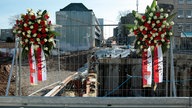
[[158, 65], [41, 65], [147, 68], [32, 65]]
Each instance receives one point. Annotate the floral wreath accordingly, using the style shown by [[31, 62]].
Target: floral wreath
[[36, 30], [152, 28]]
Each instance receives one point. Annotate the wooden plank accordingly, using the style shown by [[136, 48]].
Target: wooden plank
[[59, 87]]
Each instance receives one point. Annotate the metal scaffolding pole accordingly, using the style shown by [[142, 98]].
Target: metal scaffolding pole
[[20, 57], [172, 76], [167, 73], [12, 65], [18, 71], [17, 74], [59, 62]]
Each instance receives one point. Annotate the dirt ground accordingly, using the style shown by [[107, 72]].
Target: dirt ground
[[68, 66], [69, 63]]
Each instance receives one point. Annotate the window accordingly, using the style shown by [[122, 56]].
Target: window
[[188, 14], [179, 28], [191, 27], [180, 1], [187, 28], [189, 1], [180, 14]]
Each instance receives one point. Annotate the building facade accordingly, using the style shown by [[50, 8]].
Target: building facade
[[79, 29], [183, 23], [121, 33], [7, 35], [183, 44], [101, 22]]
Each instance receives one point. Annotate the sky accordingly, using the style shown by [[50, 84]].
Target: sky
[[107, 9]]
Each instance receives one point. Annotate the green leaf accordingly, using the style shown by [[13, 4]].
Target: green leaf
[[129, 26], [154, 4], [171, 16], [44, 12], [56, 33], [133, 12], [148, 8]]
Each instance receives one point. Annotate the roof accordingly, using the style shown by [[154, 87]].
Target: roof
[[75, 7]]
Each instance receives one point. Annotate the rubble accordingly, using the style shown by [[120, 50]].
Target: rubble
[[4, 75]]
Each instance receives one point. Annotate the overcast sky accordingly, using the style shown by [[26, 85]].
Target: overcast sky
[[107, 9]]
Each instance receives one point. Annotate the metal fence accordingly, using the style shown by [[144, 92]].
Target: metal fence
[[112, 74]]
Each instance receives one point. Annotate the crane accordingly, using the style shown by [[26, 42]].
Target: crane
[[137, 5]]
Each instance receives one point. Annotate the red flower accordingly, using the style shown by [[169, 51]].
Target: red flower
[[149, 35], [153, 31], [44, 35], [24, 43], [152, 43], [20, 21], [43, 30], [35, 42], [34, 31], [149, 27], [42, 42], [26, 17], [42, 23], [135, 32], [144, 46], [49, 23], [32, 40], [51, 36], [46, 16], [170, 28], [152, 22], [38, 35], [146, 24], [144, 32], [164, 30], [24, 37], [159, 33], [159, 25], [147, 42], [158, 14], [33, 17], [17, 22], [157, 38], [27, 22], [25, 29], [144, 17], [35, 26], [159, 43], [167, 40], [38, 30]]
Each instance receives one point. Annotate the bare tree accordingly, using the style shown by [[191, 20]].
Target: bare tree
[[12, 19], [123, 13]]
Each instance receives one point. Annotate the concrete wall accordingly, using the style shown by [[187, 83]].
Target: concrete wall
[[76, 102], [113, 72], [183, 71]]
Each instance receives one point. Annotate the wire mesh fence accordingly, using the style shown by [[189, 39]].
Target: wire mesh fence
[[105, 71]]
